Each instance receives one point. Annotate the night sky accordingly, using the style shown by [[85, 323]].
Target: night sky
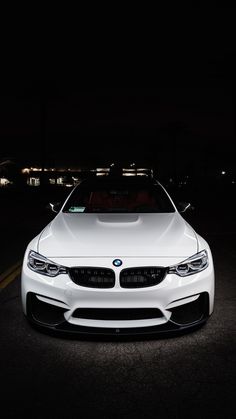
[[184, 117]]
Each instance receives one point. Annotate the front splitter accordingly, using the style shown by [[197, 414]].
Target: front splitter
[[66, 328]]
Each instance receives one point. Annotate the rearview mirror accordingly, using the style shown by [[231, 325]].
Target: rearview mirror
[[184, 206], [54, 206]]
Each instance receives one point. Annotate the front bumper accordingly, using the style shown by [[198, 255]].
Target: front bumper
[[182, 303], [184, 317]]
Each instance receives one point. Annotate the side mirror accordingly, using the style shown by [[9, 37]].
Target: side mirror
[[54, 206], [184, 206]]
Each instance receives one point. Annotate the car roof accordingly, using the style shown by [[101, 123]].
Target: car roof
[[124, 181]]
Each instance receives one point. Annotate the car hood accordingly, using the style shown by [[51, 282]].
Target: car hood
[[117, 235]]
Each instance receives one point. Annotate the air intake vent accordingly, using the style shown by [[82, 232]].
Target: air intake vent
[[117, 313]]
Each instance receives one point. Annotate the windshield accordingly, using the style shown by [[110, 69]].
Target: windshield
[[118, 198]]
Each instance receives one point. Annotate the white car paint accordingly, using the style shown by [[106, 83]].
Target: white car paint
[[74, 235], [95, 240]]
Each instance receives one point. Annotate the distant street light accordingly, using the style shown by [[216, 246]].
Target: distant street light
[[223, 172]]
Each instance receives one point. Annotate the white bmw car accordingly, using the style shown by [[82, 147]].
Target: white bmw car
[[118, 258]]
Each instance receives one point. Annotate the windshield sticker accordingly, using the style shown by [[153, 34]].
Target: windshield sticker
[[76, 209]]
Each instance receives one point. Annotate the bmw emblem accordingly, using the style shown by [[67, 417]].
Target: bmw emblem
[[117, 262]]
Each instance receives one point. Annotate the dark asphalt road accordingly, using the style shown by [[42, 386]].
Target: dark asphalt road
[[188, 376], [23, 215]]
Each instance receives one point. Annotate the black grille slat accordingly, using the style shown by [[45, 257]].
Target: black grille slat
[[93, 277], [141, 277], [117, 313]]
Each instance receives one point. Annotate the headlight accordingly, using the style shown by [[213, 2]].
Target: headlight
[[194, 264], [42, 265]]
